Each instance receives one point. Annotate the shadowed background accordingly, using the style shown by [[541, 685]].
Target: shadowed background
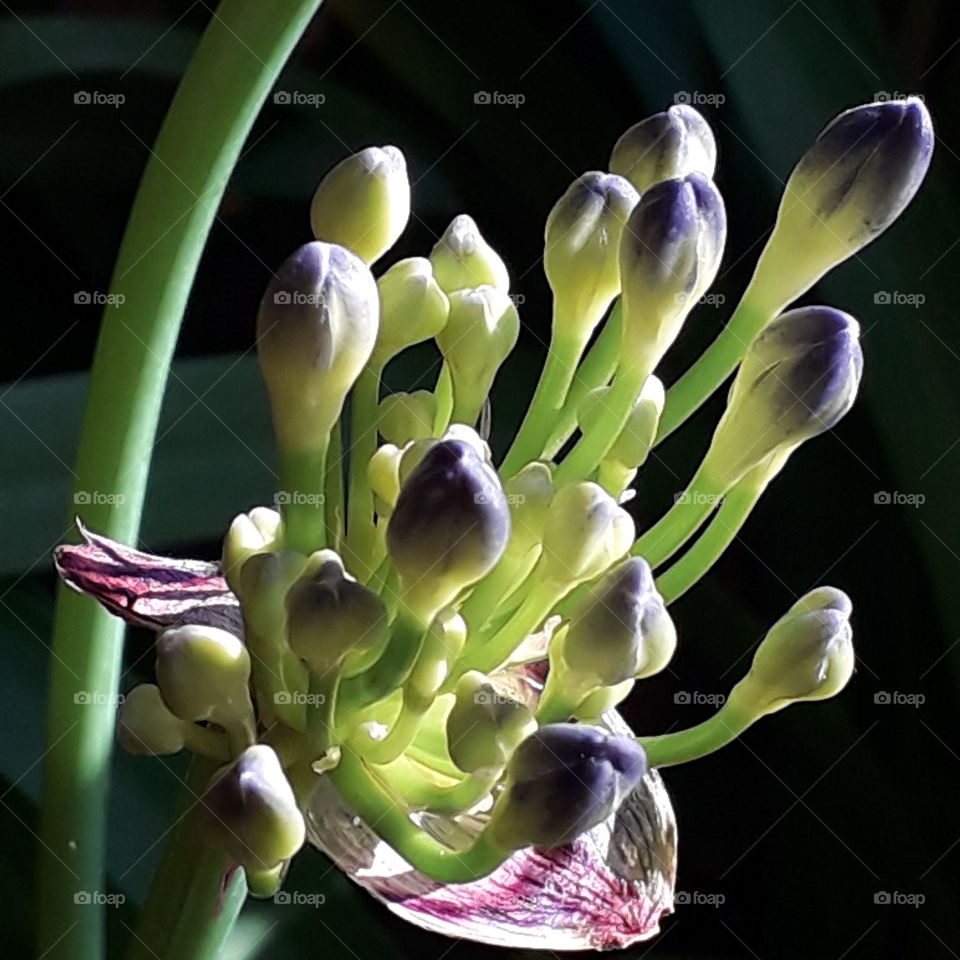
[[798, 827]]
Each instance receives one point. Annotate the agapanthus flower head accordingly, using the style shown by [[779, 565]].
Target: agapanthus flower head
[[563, 780], [669, 255], [798, 378], [581, 247], [669, 144], [363, 203], [462, 259], [316, 328]]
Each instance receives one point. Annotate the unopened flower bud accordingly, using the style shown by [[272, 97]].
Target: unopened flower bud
[[806, 655], [529, 493], [145, 724], [669, 144], [333, 621], [581, 253], [481, 330], [450, 525], [563, 780], [204, 674], [258, 531], [856, 179], [363, 203], [586, 532], [403, 417], [798, 378], [484, 725], [638, 434], [462, 258], [620, 631], [251, 813], [669, 255], [315, 330], [413, 308], [383, 472]]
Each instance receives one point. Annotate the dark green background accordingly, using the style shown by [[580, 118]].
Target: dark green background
[[800, 823]]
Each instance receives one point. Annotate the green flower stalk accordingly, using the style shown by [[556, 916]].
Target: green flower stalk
[[420, 666]]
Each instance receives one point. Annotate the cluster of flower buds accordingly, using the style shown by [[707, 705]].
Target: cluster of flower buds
[[392, 604]]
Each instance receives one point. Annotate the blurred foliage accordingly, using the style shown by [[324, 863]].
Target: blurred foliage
[[804, 820]]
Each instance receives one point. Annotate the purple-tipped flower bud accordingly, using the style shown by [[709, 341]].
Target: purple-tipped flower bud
[[562, 781], [450, 526], [363, 203], [798, 378], [582, 241], [333, 621], [621, 630], [251, 812], [315, 331], [806, 655], [856, 179], [669, 144], [484, 725], [669, 255]]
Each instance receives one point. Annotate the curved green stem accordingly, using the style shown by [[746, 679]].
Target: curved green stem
[[680, 522], [592, 446], [559, 369], [237, 61], [188, 911], [361, 532], [598, 367], [371, 801], [722, 728], [721, 532], [420, 791], [713, 366], [303, 497], [444, 394], [333, 501]]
